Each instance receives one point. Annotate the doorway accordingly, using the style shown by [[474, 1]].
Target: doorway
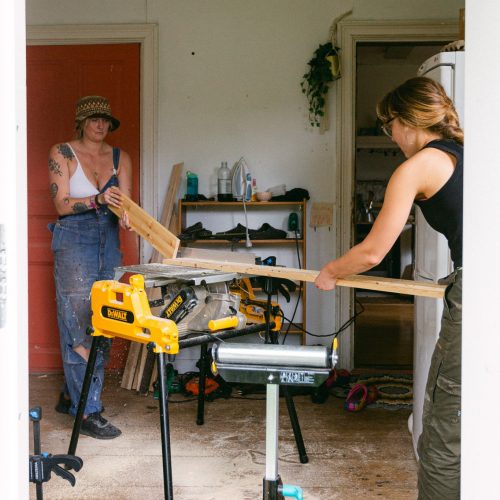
[[349, 35], [56, 77], [383, 334]]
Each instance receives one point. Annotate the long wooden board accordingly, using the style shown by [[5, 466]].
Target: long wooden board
[[149, 228], [407, 287], [168, 205]]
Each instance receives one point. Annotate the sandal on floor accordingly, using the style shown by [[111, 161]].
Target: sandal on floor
[[356, 399]]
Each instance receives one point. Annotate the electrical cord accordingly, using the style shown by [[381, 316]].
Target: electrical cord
[[346, 325], [299, 295]]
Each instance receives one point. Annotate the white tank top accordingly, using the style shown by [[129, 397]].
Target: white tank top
[[79, 185]]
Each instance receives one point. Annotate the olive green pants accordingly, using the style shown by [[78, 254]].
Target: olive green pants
[[439, 444]]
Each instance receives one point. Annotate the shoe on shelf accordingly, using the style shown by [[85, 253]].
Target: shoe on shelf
[[64, 403], [195, 232], [96, 426], [237, 233], [268, 232]]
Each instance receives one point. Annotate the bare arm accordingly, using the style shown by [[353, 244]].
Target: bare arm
[[404, 185], [60, 158]]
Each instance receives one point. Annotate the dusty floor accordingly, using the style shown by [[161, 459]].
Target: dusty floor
[[351, 455]]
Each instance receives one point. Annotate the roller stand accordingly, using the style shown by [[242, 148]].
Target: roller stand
[[270, 287], [274, 365]]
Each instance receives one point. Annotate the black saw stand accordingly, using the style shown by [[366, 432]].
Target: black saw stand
[[163, 398], [270, 288]]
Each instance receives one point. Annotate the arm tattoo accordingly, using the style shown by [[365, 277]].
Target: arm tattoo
[[53, 189], [65, 151], [79, 207], [54, 167]]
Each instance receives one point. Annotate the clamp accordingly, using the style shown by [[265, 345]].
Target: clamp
[[42, 464]]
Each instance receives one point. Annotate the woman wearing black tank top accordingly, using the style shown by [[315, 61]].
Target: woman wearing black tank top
[[421, 119]]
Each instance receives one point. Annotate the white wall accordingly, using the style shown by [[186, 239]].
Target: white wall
[[229, 85], [481, 339], [13, 256]]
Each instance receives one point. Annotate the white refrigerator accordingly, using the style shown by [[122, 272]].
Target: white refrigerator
[[432, 256]]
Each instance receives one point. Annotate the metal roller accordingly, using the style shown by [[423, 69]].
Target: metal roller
[[273, 355]]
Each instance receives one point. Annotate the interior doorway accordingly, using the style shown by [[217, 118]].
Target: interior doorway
[[383, 334], [349, 35]]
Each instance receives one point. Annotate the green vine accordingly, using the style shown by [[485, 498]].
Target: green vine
[[315, 83]]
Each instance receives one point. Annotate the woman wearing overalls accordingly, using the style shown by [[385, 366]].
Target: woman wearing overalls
[[84, 177], [422, 121]]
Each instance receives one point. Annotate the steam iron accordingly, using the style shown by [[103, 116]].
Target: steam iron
[[239, 179]]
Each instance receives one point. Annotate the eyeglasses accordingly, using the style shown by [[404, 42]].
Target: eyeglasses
[[386, 127]]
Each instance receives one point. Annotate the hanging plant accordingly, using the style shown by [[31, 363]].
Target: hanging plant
[[323, 69]]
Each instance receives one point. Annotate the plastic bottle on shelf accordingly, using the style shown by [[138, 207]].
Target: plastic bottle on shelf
[[224, 183], [248, 194], [191, 186], [254, 189]]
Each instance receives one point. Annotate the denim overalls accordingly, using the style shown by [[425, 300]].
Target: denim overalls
[[86, 248]]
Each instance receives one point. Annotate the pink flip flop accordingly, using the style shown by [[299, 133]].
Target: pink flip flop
[[359, 396]]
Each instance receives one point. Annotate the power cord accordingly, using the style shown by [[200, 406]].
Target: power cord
[[346, 325]]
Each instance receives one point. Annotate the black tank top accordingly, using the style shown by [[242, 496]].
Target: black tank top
[[444, 210]]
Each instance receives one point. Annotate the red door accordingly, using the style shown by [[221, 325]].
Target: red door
[[57, 76]]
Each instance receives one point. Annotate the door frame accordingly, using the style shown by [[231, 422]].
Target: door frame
[[147, 36], [349, 34]]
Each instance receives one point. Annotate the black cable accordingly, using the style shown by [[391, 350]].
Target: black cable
[[346, 325], [299, 296]]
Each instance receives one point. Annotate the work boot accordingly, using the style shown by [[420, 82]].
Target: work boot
[[64, 403], [98, 427]]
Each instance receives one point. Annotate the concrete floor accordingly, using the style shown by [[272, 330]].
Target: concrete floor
[[351, 455]]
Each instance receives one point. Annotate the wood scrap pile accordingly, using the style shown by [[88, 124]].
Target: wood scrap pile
[[140, 371]]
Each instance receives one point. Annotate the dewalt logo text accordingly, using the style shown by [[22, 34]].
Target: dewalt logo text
[[117, 314], [174, 306]]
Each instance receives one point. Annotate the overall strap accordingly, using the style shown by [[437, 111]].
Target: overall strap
[[116, 159]]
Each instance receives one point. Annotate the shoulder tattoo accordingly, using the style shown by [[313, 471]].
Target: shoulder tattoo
[[79, 207], [53, 189], [65, 151], [54, 167]]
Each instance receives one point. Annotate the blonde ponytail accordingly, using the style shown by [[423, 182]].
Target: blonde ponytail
[[422, 103]]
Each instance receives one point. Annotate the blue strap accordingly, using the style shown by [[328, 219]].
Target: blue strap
[[116, 158]]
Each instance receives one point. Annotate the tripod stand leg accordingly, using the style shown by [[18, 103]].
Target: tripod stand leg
[[294, 420], [201, 385], [272, 479], [165, 428], [84, 395]]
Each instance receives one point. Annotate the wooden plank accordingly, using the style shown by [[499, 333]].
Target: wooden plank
[[218, 255], [149, 228], [169, 204], [130, 366], [407, 287], [140, 367]]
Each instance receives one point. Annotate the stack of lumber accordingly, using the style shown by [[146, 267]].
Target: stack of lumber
[[140, 372]]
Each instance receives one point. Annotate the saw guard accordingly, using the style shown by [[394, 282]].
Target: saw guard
[[122, 310], [254, 309]]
